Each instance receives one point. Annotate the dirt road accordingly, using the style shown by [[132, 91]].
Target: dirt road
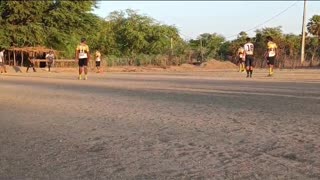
[[160, 126]]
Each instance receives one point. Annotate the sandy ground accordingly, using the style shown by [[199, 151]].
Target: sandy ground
[[190, 125]]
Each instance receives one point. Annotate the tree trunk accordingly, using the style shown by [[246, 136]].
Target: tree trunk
[[21, 59], [14, 58]]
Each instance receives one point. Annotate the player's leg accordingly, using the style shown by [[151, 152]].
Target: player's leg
[[49, 66], [243, 66], [80, 72], [270, 64], [251, 65], [85, 69], [28, 65], [4, 68], [97, 66], [80, 63], [85, 72], [247, 63], [32, 65]]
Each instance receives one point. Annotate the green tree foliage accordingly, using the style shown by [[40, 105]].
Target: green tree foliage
[[314, 26], [55, 23], [313, 43], [128, 37], [135, 34], [211, 45], [132, 34]]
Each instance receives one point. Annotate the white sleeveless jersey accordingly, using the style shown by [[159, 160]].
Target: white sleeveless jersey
[[1, 57], [248, 48]]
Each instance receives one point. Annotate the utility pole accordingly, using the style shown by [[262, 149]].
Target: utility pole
[[171, 46], [303, 31], [201, 50]]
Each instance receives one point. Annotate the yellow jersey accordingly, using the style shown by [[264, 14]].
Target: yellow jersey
[[272, 49], [83, 50], [98, 56], [241, 52]]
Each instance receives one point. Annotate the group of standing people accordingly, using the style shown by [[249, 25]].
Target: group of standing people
[[82, 57], [246, 56], [50, 60]]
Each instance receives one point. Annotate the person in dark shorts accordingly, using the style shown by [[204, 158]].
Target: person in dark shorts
[[271, 54], [31, 63], [249, 60], [83, 56]]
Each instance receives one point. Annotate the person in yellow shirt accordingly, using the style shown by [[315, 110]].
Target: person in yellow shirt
[[241, 59], [83, 56], [98, 61], [271, 54]]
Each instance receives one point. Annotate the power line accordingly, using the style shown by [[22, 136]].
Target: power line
[[255, 27], [283, 11]]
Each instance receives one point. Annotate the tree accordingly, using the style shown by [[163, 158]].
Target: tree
[[53, 23], [211, 44], [136, 34], [314, 26], [235, 44]]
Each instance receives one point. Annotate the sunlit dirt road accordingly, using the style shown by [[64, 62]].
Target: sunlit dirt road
[[209, 125]]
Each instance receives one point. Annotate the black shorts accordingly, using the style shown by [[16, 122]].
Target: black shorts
[[97, 63], [240, 60], [83, 62], [50, 63], [270, 60], [249, 60]]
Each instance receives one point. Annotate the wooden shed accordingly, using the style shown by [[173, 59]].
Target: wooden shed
[[22, 52]]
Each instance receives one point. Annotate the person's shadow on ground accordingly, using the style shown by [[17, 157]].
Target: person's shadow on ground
[[17, 69]]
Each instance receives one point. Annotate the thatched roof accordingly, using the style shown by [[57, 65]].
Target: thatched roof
[[38, 49]]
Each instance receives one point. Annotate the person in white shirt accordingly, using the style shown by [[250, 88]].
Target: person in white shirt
[[50, 59], [248, 51], [2, 64], [98, 60]]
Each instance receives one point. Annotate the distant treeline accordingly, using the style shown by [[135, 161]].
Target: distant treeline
[[129, 38]]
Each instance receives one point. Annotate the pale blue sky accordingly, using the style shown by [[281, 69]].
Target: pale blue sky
[[223, 17]]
